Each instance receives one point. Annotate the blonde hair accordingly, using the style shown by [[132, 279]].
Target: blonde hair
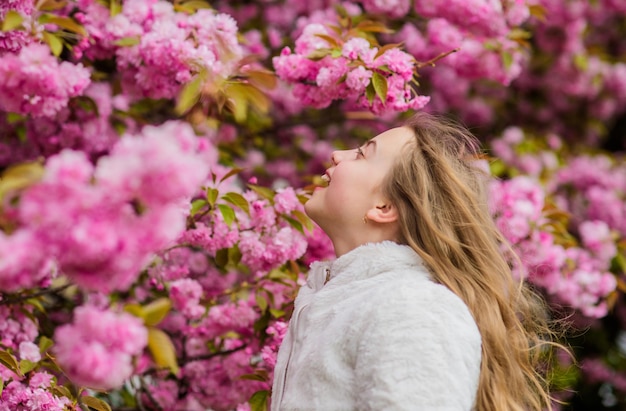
[[441, 198]]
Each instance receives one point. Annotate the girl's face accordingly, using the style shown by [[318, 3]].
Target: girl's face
[[355, 182]]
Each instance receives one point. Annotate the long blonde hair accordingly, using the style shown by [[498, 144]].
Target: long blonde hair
[[444, 216]]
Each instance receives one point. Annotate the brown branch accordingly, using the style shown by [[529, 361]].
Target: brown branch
[[216, 354], [432, 61], [21, 298]]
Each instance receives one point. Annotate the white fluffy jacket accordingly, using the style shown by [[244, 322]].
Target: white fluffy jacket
[[372, 331]]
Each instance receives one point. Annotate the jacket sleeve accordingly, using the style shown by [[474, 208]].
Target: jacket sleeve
[[420, 350]]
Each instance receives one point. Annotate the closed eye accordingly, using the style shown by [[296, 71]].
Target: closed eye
[[359, 153]]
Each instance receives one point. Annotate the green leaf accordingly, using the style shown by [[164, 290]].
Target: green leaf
[[380, 86], [45, 343], [221, 257], [95, 403], [50, 5], [1, 386], [237, 101], [134, 309], [8, 360], [231, 173], [12, 20], [262, 78], [538, 11], [370, 26], [253, 377], [258, 99], [191, 6], [211, 195], [197, 205], [54, 42], [27, 366], [329, 39], [228, 213], [189, 95], [261, 302], [370, 93], [162, 349], [128, 41], [304, 219], [264, 192], [581, 62], [234, 255], [238, 200], [258, 401], [294, 223], [507, 59], [318, 54], [155, 311], [115, 8], [37, 304], [61, 391], [276, 313], [386, 48], [66, 23], [13, 118]]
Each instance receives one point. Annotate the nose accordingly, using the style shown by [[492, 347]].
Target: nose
[[338, 156]]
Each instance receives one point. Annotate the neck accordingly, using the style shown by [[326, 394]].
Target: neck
[[343, 245]]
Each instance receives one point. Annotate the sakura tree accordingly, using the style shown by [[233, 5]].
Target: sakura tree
[[155, 156]]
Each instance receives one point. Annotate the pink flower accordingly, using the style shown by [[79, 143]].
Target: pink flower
[[96, 350], [286, 201], [392, 8], [157, 167], [185, 294], [358, 79], [597, 237], [310, 41], [24, 261], [35, 83], [29, 351], [356, 48]]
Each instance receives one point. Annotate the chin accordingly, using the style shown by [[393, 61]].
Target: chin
[[311, 211]]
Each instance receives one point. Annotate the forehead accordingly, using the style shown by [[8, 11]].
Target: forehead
[[393, 141]]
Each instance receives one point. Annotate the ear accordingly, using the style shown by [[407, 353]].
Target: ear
[[384, 213]]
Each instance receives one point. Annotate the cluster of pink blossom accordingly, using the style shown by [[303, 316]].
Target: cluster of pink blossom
[[33, 395], [392, 9], [597, 371], [16, 327], [96, 350], [171, 47], [133, 209], [213, 312], [85, 126], [276, 333], [594, 188], [518, 205], [324, 68], [217, 350], [216, 383], [534, 163], [185, 295], [576, 70], [13, 40], [36, 84]]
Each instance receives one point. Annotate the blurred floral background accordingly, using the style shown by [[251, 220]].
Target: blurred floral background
[[155, 156]]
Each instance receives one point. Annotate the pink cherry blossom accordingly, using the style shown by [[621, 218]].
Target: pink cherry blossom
[[96, 350]]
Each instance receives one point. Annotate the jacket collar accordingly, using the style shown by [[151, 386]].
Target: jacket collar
[[364, 262]]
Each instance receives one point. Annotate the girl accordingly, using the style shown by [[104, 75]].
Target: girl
[[419, 311]]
